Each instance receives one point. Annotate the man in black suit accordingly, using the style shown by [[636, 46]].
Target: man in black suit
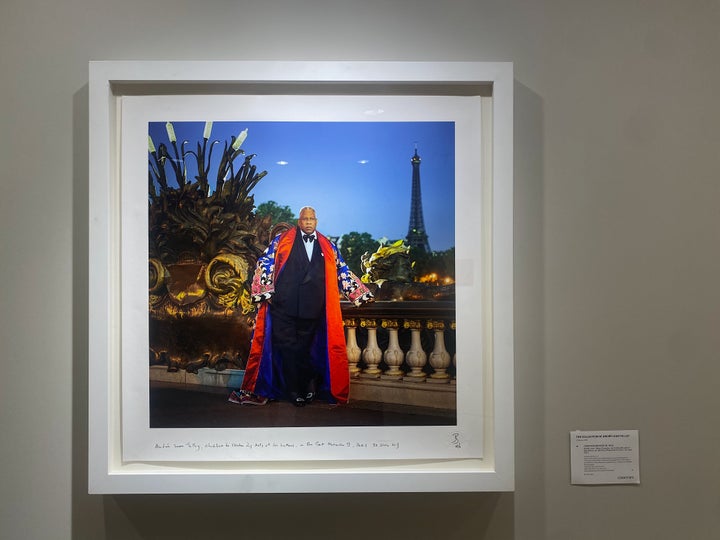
[[298, 350], [297, 309]]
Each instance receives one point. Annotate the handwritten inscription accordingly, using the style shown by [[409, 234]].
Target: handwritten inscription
[[210, 446]]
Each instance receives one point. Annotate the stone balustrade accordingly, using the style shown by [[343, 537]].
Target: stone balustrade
[[402, 352]]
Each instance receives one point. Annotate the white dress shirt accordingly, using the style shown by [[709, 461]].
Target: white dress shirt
[[310, 245]]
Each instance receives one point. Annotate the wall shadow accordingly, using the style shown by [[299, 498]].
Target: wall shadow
[[86, 510], [529, 284], [308, 516]]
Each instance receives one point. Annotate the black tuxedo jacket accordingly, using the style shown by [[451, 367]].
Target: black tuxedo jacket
[[300, 286]]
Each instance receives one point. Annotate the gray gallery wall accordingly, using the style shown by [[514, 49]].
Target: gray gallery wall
[[616, 250]]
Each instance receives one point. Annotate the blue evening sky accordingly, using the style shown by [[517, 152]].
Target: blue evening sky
[[357, 175]]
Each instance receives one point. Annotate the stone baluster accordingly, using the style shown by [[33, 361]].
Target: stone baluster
[[439, 357], [453, 327], [393, 355], [415, 357], [372, 354], [351, 345]]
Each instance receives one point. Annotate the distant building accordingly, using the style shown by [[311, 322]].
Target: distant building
[[417, 236]]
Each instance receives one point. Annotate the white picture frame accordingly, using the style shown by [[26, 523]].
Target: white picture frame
[[484, 266]]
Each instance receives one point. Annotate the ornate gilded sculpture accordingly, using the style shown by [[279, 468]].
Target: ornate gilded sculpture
[[202, 247], [390, 276]]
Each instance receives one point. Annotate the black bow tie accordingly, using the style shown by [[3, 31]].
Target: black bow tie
[[308, 237]]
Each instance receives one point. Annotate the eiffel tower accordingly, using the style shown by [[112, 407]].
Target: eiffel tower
[[416, 236]]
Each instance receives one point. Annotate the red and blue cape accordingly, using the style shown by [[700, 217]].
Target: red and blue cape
[[263, 373]]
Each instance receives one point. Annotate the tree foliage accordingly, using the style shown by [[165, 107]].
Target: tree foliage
[[278, 213], [441, 263], [352, 247]]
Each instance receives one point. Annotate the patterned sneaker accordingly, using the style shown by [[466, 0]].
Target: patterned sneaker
[[236, 396], [246, 398], [252, 399]]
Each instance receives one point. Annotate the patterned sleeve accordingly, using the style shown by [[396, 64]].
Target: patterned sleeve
[[263, 286], [350, 285]]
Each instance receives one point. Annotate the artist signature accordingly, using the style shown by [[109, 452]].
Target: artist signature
[[455, 440]]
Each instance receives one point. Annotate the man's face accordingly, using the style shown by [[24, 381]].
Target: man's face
[[307, 221]]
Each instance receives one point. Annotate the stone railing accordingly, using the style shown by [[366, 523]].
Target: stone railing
[[402, 352], [399, 353]]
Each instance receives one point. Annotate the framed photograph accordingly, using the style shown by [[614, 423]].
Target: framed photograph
[[195, 169]]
